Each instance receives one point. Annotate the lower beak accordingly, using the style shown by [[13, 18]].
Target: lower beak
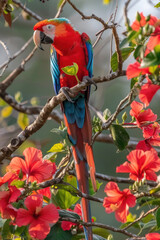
[[40, 37]]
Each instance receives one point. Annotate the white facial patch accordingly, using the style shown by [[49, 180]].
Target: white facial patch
[[49, 30]]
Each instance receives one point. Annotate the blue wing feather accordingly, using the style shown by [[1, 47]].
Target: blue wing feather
[[90, 58], [88, 52], [55, 71]]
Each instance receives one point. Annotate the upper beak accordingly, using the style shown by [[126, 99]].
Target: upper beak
[[40, 37]]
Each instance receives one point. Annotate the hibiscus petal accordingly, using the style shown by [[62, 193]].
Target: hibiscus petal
[[134, 70], [33, 202], [112, 189], [23, 217], [38, 229], [147, 92], [32, 155], [16, 165], [122, 212], [152, 236], [49, 213]]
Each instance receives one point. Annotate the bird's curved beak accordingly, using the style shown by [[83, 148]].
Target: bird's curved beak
[[40, 37]]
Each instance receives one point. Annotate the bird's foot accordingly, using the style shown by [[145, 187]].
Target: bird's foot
[[87, 79], [67, 92]]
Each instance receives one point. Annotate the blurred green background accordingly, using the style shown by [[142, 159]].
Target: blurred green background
[[36, 80]]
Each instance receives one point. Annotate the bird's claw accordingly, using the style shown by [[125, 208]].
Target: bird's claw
[[87, 79], [67, 92]]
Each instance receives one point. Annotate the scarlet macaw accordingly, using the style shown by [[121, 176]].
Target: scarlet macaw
[[70, 49]]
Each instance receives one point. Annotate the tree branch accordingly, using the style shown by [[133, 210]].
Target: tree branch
[[60, 9], [30, 110], [5, 64], [100, 225], [8, 81], [27, 10], [106, 26], [141, 216]]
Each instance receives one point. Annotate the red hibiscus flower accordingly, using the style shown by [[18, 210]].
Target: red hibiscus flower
[[144, 145], [134, 70], [6, 198], [66, 225], [37, 217], [136, 25], [152, 236], [118, 201], [33, 168], [45, 192], [154, 40], [148, 90], [141, 116], [151, 134], [141, 165]]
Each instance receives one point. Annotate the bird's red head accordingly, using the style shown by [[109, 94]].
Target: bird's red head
[[46, 30]]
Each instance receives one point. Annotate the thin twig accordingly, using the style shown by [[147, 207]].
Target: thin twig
[[27, 10], [108, 178], [17, 53], [60, 9], [126, 14], [93, 16], [29, 110], [8, 81], [100, 225], [119, 55], [141, 216]]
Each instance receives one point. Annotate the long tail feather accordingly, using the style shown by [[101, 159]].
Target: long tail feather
[[83, 156], [82, 178]]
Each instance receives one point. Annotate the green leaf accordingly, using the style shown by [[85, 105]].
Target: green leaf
[[149, 224], [147, 201], [62, 133], [123, 43], [138, 51], [125, 52], [134, 81], [2, 103], [138, 17], [158, 217], [6, 111], [23, 120], [56, 148], [157, 5], [120, 136], [18, 96], [91, 190], [34, 101], [65, 196], [154, 190], [51, 156], [152, 59], [101, 232], [124, 117], [148, 218], [97, 237], [132, 35], [68, 214], [71, 70], [130, 219], [57, 233], [20, 231], [17, 183], [6, 230]]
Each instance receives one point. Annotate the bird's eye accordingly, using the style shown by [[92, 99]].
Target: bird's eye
[[49, 27]]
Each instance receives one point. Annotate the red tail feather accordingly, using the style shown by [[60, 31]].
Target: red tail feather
[[83, 154]]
